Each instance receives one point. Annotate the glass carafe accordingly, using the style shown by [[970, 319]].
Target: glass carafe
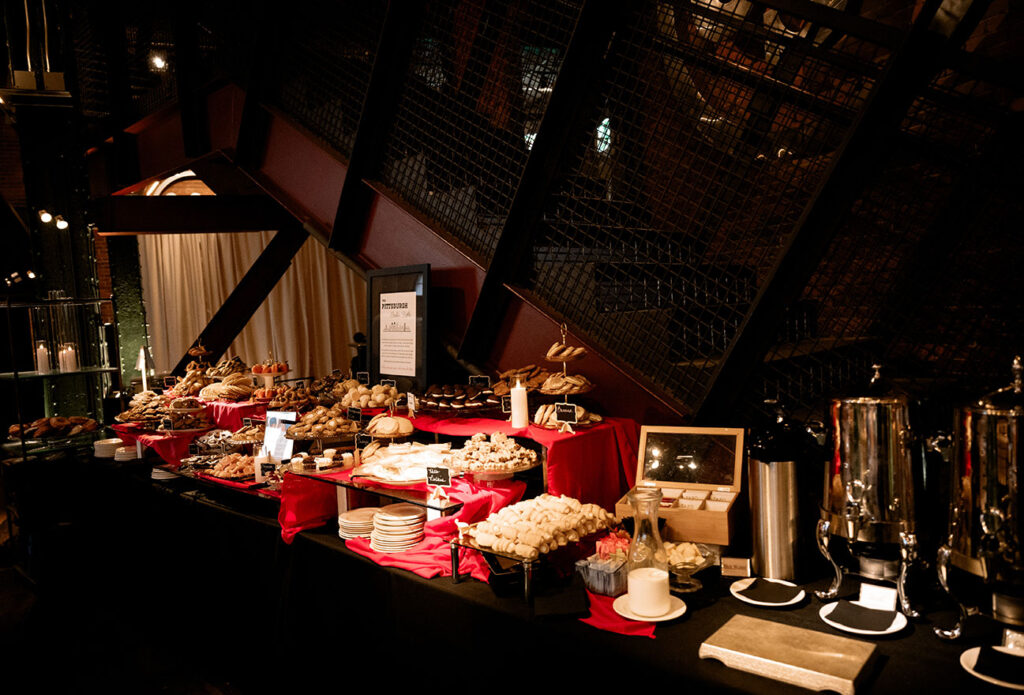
[[647, 561]]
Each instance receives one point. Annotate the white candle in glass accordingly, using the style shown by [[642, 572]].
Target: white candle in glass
[[42, 357], [142, 362], [648, 591], [520, 410], [67, 358]]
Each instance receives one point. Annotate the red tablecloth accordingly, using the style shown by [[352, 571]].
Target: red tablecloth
[[603, 617], [228, 415], [170, 447], [597, 464]]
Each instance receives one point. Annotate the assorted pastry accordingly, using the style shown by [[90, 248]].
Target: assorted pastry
[[178, 420], [185, 403], [531, 377], [352, 394], [386, 426], [322, 390], [536, 526], [270, 367], [565, 384], [545, 417], [143, 411], [402, 463], [330, 458], [560, 352], [236, 386], [193, 382], [253, 434], [458, 399], [234, 467], [227, 366], [53, 428], [323, 423], [497, 454], [218, 440]]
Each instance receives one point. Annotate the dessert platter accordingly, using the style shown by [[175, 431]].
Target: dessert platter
[[351, 394], [226, 367], [193, 382], [545, 416], [53, 428], [234, 386], [252, 434], [323, 423], [448, 399], [401, 464], [529, 529], [496, 456], [384, 426], [234, 467], [531, 377]]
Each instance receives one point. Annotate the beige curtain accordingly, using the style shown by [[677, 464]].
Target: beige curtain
[[308, 319]]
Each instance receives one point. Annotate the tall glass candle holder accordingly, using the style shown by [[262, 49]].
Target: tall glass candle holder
[[67, 357]]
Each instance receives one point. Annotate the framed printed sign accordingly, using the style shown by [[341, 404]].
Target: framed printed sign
[[397, 331]]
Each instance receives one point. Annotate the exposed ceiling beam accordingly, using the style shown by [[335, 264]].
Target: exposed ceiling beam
[[134, 215]]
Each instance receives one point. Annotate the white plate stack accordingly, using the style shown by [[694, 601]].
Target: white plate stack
[[125, 453], [397, 527], [106, 448], [356, 523]]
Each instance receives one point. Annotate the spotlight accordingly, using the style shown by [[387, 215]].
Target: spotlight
[[45, 217], [61, 222], [31, 274], [157, 61]]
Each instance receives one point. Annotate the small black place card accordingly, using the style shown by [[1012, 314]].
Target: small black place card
[[565, 412], [170, 382], [267, 468], [166, 424], [506, 404], [363, 377], [363, 440], [247, 422], [355, 414], [193, 448], [388, 382], [481, 380], [439, 476]]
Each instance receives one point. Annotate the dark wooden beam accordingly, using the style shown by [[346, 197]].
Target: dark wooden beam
[[134, 214], [250, 293], [195, 131], [251, 142], [379, 106], [572, 98], [909, 71]]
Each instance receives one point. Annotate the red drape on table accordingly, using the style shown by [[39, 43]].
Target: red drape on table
[[597, 464], [170, 447], [228, 415]]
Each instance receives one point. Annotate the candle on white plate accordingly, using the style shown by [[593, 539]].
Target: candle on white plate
[[42, 358], [647, 588], [520, 410]]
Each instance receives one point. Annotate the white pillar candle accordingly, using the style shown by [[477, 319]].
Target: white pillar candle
[[42, 358], [142, 365], [520, 410], [648, 591]]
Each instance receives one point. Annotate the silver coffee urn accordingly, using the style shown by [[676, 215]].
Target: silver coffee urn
[[868, 497], [985, 525]]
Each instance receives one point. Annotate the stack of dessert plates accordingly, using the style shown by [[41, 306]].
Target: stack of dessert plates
[[106, 448], [397, 527], [356, 523], [125, 453]]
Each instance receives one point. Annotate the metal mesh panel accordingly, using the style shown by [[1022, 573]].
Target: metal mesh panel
[[91, 63], [715, 127], [475, 93], [321, 66], [148, 38], [939, 301]]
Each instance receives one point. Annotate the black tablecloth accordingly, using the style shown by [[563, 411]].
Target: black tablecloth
[[207, 571]]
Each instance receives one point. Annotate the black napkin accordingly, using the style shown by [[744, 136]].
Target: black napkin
[[861, 618], [769, 592], [1008, 668]]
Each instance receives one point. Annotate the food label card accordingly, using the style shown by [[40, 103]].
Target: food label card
[[506, 404], [438, 475], [276, 446], [481, 380], [363, 440], [881, 598], [247, 422], [388, 382], [355, 414], [565, 412], [170, 382], [363, 377]]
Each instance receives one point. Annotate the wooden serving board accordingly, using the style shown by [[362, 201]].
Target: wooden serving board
[[807, 658]]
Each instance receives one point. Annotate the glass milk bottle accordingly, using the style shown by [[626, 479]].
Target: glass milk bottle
[[647, 561]]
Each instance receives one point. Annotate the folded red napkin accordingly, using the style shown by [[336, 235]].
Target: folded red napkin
[[604, 617]]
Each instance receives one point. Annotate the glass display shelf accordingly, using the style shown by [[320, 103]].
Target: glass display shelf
[[417, 497], [56, 374], [56, 302], [259, 490], [37, 447]]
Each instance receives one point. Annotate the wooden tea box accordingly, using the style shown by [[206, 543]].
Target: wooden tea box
[[699, 471]]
